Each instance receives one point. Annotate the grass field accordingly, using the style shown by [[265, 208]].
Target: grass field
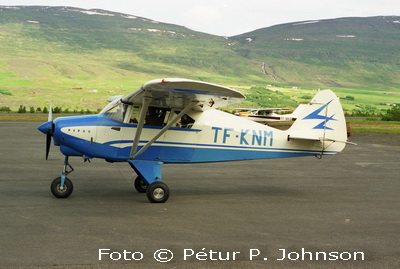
[[375, 98], [25, 117], [374, 126]]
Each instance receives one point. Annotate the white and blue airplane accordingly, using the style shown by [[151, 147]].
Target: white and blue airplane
[[176, 121]]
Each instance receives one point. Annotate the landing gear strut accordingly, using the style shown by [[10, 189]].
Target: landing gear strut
[[149, 180], [62, 187]]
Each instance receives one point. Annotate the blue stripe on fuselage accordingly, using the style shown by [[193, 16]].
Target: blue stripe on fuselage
[[170, 152]]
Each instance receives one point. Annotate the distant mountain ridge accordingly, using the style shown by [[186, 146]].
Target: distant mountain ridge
[[344, 52], [104, 52]]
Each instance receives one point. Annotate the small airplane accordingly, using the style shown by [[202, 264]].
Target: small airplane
[[266, 115], [176, 121]]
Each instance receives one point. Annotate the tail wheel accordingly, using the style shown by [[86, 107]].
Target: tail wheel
[[61, 192], [157, 192]]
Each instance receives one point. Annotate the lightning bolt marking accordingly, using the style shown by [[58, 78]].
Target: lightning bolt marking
[[315, 116]]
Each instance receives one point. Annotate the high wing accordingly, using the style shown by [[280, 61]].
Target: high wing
[[178, 93]]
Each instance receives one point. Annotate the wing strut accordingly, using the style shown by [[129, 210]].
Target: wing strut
[[163, 130], [142, 117]]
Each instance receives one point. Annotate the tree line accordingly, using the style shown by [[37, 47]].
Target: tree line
[[56, 110]]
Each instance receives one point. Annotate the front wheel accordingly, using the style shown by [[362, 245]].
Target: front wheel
[[157, 192], [61, 192]]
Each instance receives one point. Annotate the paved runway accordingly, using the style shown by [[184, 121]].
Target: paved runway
[[342, 205]]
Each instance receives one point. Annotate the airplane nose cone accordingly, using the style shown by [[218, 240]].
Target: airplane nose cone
[[46, 126]]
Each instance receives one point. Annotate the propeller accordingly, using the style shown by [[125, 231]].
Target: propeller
[[49, 133], [48, 129], [50, 117]]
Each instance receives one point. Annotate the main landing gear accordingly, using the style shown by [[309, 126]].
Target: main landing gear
[[148, 181], [157, 192]]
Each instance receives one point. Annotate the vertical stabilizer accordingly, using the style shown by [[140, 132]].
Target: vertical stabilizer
[[322, 119]]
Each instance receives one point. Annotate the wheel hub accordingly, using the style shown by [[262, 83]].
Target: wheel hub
[[62, 189], [158, 193]]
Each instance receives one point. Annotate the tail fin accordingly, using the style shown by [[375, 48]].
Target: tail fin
[[296, 113], [322, 120]]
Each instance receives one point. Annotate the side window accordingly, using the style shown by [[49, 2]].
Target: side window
[[135, 113], [156, 116], [185, 122]]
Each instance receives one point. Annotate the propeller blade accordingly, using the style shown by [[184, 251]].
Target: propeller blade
[[48, 128], [50, 117], [48, 142]]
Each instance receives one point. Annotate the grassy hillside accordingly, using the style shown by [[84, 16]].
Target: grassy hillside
[[77, 58], [89, 55], [347, 53]]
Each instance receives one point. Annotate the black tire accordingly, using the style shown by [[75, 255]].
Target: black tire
[[65, 192], [157, 192], [140, 185]]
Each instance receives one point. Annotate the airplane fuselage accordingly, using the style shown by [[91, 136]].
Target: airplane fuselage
[[214, 136]]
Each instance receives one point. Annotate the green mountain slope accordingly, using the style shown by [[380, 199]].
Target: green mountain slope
[[346, 52], [80, 57], [91, 54]]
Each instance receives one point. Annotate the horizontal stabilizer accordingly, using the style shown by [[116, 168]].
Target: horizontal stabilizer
[[321, 139]]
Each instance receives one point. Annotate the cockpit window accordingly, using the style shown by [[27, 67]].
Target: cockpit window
[[157, 116], [116, 111]]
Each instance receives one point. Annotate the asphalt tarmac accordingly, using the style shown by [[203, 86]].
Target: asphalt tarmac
[[248, 214]]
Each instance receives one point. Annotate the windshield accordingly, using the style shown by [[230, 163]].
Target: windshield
[[116, 110]]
